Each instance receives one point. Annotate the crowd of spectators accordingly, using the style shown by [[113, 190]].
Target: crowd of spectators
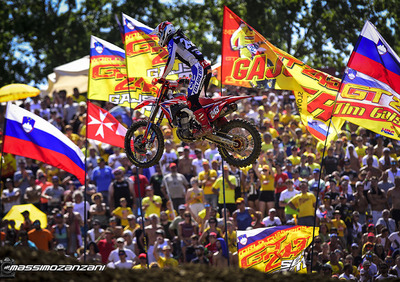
[[173, 213]]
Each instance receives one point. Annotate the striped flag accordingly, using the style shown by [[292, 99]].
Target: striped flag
[[28, 135]]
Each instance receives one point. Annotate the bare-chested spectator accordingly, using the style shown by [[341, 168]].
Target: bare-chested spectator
[[221, 256], [370, 168], [33, 193], [74, 222], [377, 199], [393, 196], [393, 171], [360, 201], [185, 164], [151, 233]]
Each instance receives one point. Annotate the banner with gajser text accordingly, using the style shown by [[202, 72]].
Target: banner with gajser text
[[144, 57], [275, 249], [248, 59], [370, 91], [108, 77]]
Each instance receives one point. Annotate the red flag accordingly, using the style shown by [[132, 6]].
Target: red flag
[[102, 126]]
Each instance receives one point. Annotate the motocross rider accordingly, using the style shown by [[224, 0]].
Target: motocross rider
[[180, 47]]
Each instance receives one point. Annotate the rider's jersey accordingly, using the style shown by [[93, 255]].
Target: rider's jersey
[[180, 47]]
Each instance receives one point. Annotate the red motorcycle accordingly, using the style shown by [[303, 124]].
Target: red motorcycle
[[238, 141]]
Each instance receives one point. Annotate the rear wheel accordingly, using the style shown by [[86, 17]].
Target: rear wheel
[[144, 154], [248, 143]]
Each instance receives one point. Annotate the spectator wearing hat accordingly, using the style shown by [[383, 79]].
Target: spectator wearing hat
[[120, 188], [267, 190], [386, 221], [130, 241], [102, 177], [106, 245], [330, 161], [206, 179], [95, 232], [272, 219], [60, 231], [198, 160], [314, 180], [122, 212], [151, 203], [173, 228], [167, 261], [200, 257], [176, 185], [69, 132], [185, 230], [267, 142], [11, 196], [340, 226], [326, 270], [285, 197], [185, 164], [195, 197], [337, 266], [151, 233], [142, 262], [123, 262], [114, 254], [42, 238], [21, 177], [377, 199], [212, 246], [393, 171], [304, 204], [54, 194], [132, 223], [98, 209], [227, 182], [169, 156], [303, 169]]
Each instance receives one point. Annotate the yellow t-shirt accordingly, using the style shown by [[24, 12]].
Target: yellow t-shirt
[[229, 193], [132, 229], [232, 239], [294, 160], [203, 175], [139, 266], [167, 262], [305, 204], [335, 268], [123, 214], [361, 151], [267, 182], [265, 147], [152, 208], [340, 226]]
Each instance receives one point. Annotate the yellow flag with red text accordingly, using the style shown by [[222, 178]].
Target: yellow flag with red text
[[275, 249], [249, 59]]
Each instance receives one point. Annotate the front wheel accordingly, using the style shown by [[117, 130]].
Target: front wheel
[[144, 154], [248, 143]]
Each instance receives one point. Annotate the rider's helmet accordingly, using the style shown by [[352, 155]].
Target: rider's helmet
[[164, 31]]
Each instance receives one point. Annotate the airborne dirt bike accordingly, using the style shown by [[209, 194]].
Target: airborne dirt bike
[[238, 141]]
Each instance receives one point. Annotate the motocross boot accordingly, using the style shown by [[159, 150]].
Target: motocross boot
[[201, 117]]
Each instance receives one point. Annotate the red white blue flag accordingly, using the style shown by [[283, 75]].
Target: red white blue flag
[[370, 90], [28, 135]]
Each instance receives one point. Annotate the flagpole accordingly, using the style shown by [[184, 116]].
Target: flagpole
[[223, 191], [319, 177], [141, 214], [1, 162], [85, 197]]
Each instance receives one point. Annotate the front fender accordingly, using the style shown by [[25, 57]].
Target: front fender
[[145, 103]]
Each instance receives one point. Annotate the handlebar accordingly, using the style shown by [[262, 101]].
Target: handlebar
[[181, 80]]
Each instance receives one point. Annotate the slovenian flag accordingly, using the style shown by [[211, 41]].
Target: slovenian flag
[[28, 135], [373, 62]]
